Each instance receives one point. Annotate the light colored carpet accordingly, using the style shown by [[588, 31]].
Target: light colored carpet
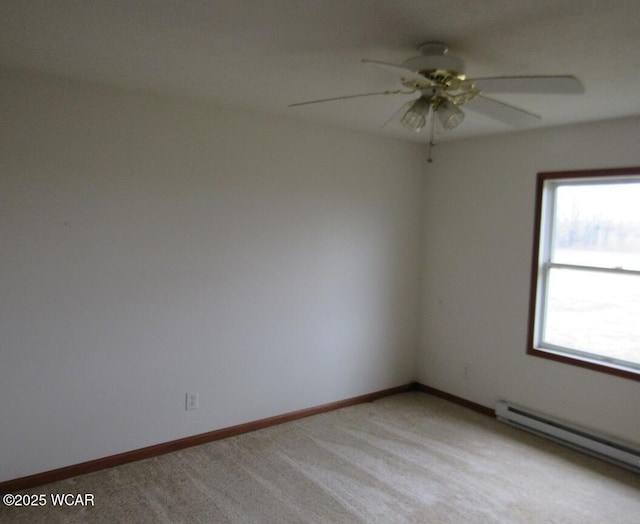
[[407, 458]]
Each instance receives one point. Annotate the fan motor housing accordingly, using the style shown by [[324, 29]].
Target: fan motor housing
[[434, 59], [425, 64]]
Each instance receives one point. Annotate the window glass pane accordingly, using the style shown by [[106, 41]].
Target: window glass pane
[[597, 225], [594, 312]]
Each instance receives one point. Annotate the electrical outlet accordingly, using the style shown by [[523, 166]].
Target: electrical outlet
[[191, 401]]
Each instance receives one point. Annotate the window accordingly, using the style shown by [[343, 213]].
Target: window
[[585, 282]]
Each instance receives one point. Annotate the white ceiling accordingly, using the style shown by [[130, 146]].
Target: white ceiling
[[266, 54]]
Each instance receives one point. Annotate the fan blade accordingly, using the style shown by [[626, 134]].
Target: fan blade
[[397, 70], [396, 92], [552, 85], [500, 111]]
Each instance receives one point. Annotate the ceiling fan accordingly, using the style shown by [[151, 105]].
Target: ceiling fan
[[439, 79]]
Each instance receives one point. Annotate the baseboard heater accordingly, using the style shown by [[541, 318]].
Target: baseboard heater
[[575, 437]]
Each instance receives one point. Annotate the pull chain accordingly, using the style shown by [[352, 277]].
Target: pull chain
[[432, 141]]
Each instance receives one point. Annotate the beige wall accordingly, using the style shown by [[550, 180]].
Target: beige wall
[[152, 246], [479, 205]]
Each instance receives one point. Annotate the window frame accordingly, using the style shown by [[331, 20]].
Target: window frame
[[544, 214]]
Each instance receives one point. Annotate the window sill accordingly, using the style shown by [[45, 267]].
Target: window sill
[[583, 362]]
